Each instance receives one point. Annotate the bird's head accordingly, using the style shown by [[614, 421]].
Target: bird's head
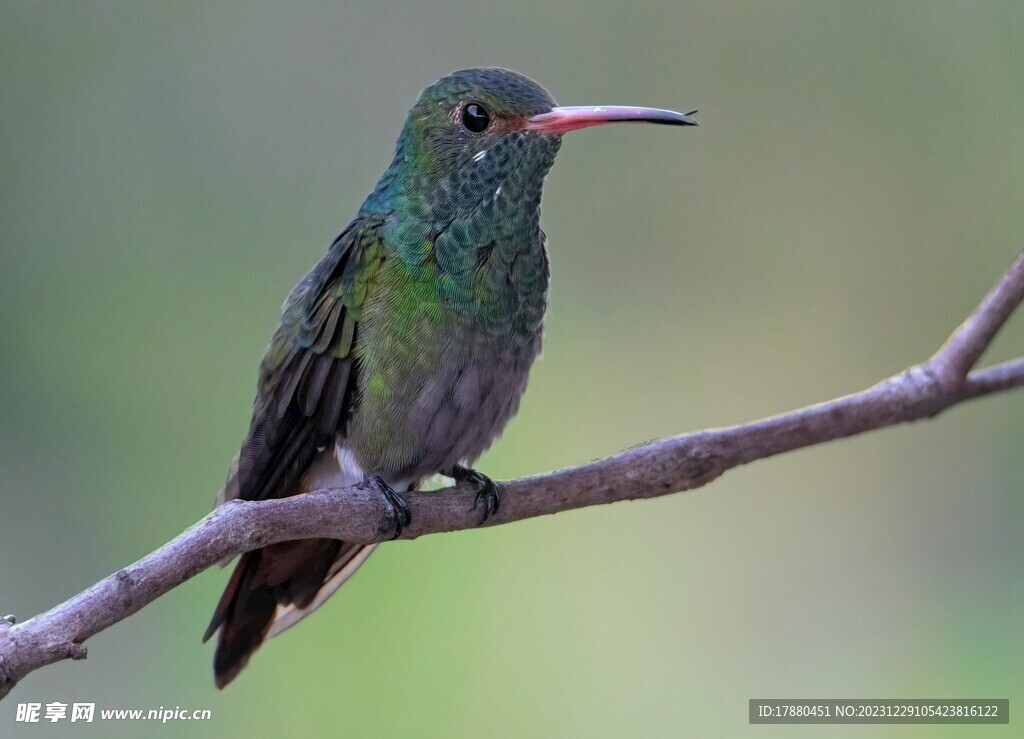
[[478, 135]]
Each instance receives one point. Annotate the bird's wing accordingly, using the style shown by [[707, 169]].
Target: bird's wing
[[307, 377]]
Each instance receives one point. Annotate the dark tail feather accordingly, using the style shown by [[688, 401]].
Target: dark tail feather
[[289, 573], [247, 614]]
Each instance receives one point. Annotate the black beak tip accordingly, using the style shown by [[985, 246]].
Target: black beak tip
[[669, 118]]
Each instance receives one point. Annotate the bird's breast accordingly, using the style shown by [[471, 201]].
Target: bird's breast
[[442, 364]]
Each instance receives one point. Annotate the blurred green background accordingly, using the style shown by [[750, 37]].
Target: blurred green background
[[168, 172]]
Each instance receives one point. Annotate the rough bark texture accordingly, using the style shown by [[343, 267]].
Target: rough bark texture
[[659, 468]]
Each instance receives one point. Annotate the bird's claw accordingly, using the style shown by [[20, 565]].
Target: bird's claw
[[394, 504], [487, 492], [491, 499]]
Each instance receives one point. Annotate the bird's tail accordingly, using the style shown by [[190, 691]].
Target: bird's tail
[[274, 588]]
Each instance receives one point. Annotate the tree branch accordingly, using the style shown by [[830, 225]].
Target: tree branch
[[659, 468]]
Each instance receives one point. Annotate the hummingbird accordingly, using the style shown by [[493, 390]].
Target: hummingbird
[[405, 351]]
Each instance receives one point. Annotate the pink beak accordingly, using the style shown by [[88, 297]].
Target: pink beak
[[563, 120]]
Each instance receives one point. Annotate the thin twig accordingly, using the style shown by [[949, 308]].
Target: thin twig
[[964, 348], [663, 467]]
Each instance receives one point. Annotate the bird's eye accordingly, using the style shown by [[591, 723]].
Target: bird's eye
[[475, 118]]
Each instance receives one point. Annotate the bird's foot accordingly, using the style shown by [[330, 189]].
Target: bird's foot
[[486, 489], [394, 504]]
